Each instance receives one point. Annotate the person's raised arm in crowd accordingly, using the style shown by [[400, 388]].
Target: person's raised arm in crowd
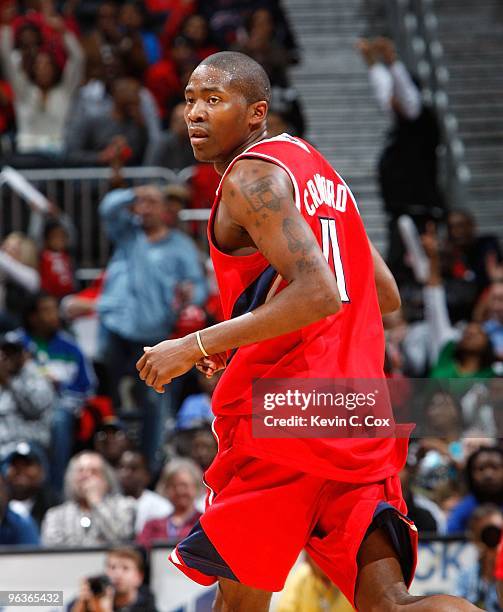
[[116, 210], [434, 297], [391, 83], [12, 62], [20, 273], [73, 71]]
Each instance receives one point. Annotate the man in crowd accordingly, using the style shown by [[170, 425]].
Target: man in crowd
[[25, 471], [151, 264], [99, 139], [484, 475], [119, 589], [134, 478], [14, 528], [477, 582], [111, 440], [408, 163], [26, 397], [61, 360]]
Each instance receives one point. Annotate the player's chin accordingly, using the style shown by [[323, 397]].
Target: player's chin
[[201, 154]]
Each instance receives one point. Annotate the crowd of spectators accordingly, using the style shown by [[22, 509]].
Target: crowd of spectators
[[75, 471], [85, 83]]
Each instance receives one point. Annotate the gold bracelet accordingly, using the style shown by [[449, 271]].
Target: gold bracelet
[[198, 338]]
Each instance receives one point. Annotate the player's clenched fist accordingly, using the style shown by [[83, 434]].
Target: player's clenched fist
[[166, 360]]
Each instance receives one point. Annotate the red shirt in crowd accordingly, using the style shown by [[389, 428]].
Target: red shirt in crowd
[[56, 273]]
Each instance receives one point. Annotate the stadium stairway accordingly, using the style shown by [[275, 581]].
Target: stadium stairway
[[342, 116], [471, 34]]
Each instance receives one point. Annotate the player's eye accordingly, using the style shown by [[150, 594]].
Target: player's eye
[[189, 100], [213, 100]]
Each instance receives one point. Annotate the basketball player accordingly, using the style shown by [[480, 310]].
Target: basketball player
[[303, 292]]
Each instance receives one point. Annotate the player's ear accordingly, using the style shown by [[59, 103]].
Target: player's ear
[[258, 112]]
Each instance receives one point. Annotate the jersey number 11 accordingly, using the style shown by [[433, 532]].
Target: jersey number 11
[[330, 244]]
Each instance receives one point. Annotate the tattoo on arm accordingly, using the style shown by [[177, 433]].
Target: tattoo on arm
[[262, 193], [297, 241]]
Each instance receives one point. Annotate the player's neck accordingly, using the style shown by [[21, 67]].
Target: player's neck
[[253, 138]]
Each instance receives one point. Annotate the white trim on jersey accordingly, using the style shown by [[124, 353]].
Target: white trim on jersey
[[280, 138], [174, 557], [212, 492]]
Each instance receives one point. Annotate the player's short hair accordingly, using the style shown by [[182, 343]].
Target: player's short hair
[[247, 75]]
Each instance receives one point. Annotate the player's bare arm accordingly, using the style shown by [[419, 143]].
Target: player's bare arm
[[387, 290], [257, 210]]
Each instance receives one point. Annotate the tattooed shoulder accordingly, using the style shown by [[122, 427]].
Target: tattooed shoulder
[[263, 193]]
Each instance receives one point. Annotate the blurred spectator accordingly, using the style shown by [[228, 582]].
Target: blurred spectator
[[26, 397], [119, 589], [64, 364], [79, 310], [196, 442], [466, 255], [427, 516], [408, 163], [14, 528], [132, 21], [308, 589], [111, 440], [261, 44], [195, 29], [6, 109], [224, 17], [25, 470], [150, 265], [173, 149], [286, 106], [408, 345], [99, 139], [203, 447], [439, 452], [180, 482], [19, 278], [484, 476], [490, 312], [43, 90], [469, 356], [134, 478], [167, 78], [95, 99], [177, 197], [477, 583], [95, 514], [107, 44], [56, 269]]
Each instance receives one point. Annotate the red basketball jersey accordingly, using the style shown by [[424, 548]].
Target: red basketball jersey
[[349, 344]]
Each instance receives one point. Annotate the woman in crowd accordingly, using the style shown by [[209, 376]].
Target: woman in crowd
[[44, 82], [180, 482], [484, 477]]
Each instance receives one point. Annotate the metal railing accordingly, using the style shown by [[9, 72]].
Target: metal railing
[[77, 192], [414, 27]]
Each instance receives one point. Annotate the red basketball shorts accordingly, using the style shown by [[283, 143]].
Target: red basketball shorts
[[261, 515]]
